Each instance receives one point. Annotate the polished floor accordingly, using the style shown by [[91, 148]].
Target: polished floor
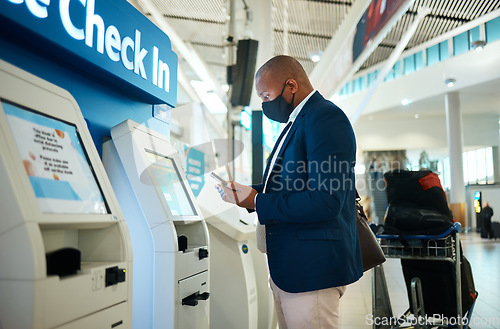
[[484, 257]]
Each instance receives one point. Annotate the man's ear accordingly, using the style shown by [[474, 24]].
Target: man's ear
[[292, 85]]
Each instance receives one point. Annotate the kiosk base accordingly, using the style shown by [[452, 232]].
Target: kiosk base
[[232, 282]]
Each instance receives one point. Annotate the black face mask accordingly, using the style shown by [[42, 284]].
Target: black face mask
[[278, 109]]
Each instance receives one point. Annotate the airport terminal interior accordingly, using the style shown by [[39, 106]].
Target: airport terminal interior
[[119, 117]]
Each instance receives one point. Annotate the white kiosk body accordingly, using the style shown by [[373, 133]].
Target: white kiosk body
[[232, 281], [267, 315], [169, 235], [65, 250]]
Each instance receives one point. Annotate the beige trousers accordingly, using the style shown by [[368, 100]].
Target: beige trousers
[[318, 309]]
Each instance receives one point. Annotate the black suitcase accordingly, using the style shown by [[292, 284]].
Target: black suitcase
[[439, 286], [495, 228], [417, 204], [406, 218], [423, 188]]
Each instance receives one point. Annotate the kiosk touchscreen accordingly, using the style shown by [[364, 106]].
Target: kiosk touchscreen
[[169, 234], [65, 251]]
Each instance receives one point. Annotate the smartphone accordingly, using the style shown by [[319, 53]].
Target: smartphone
[[218, 178]]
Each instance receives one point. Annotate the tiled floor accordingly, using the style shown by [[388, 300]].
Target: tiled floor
[[484, 256]]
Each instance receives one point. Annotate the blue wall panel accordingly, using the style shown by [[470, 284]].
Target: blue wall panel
[[461, 43], [493, 30]]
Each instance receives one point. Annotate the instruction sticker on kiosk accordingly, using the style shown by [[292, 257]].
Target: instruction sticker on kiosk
[[55, 162]]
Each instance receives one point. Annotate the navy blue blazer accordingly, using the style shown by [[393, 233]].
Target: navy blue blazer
[[309, 205]]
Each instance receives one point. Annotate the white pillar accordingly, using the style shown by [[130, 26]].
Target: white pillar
[[496, 164], [455, 147]]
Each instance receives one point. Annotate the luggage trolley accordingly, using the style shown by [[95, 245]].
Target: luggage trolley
[[442, 247]]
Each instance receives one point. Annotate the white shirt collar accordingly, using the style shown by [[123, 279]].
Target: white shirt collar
[[299, 107]]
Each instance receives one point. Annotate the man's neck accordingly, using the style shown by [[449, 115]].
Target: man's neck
[[301, 95]]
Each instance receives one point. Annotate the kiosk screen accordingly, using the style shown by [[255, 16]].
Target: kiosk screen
[[171, 184], [58, 168]]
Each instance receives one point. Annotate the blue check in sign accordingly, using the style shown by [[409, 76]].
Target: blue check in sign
[[108, 35]]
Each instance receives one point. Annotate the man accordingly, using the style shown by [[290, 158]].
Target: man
[[307, 199], [486, 214]]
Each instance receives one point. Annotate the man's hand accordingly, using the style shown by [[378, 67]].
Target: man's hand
[[238, 194]]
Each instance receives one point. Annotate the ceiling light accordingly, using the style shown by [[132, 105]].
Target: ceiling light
[[316, 56], [450, 82], [405, 102], [478, 45], [416, 116], [209, 98]]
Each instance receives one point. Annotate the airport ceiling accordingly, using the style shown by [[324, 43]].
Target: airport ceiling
[[203, 26]]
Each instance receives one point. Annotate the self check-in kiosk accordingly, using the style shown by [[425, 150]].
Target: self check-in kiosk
[[65, 251], [233, 284], [267, 316], [235, 262], [169, 234]]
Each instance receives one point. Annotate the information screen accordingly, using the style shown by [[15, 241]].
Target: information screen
[[170, 182], [53, 157]]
